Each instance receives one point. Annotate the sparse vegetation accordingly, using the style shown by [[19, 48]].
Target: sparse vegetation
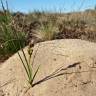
[[18, 30], [14, 40]]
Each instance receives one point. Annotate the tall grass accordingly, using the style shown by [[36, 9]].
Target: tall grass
[[9, 38], [12, 41]]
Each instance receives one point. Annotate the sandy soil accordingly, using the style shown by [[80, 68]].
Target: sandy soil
[[67, 68]]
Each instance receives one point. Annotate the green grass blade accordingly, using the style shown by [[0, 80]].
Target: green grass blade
[[23, 65], [35, 74], [28, 65]]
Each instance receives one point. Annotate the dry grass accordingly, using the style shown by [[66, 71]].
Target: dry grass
[[74, 25], [42, 26]]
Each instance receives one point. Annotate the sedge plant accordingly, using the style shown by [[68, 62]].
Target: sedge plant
[[14, 40]]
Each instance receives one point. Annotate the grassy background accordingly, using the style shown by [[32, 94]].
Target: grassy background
[[42, 26]]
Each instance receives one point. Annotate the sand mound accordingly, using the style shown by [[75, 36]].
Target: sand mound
[[67, 68]]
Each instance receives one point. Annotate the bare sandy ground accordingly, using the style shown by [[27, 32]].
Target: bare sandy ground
[[67, 68]]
